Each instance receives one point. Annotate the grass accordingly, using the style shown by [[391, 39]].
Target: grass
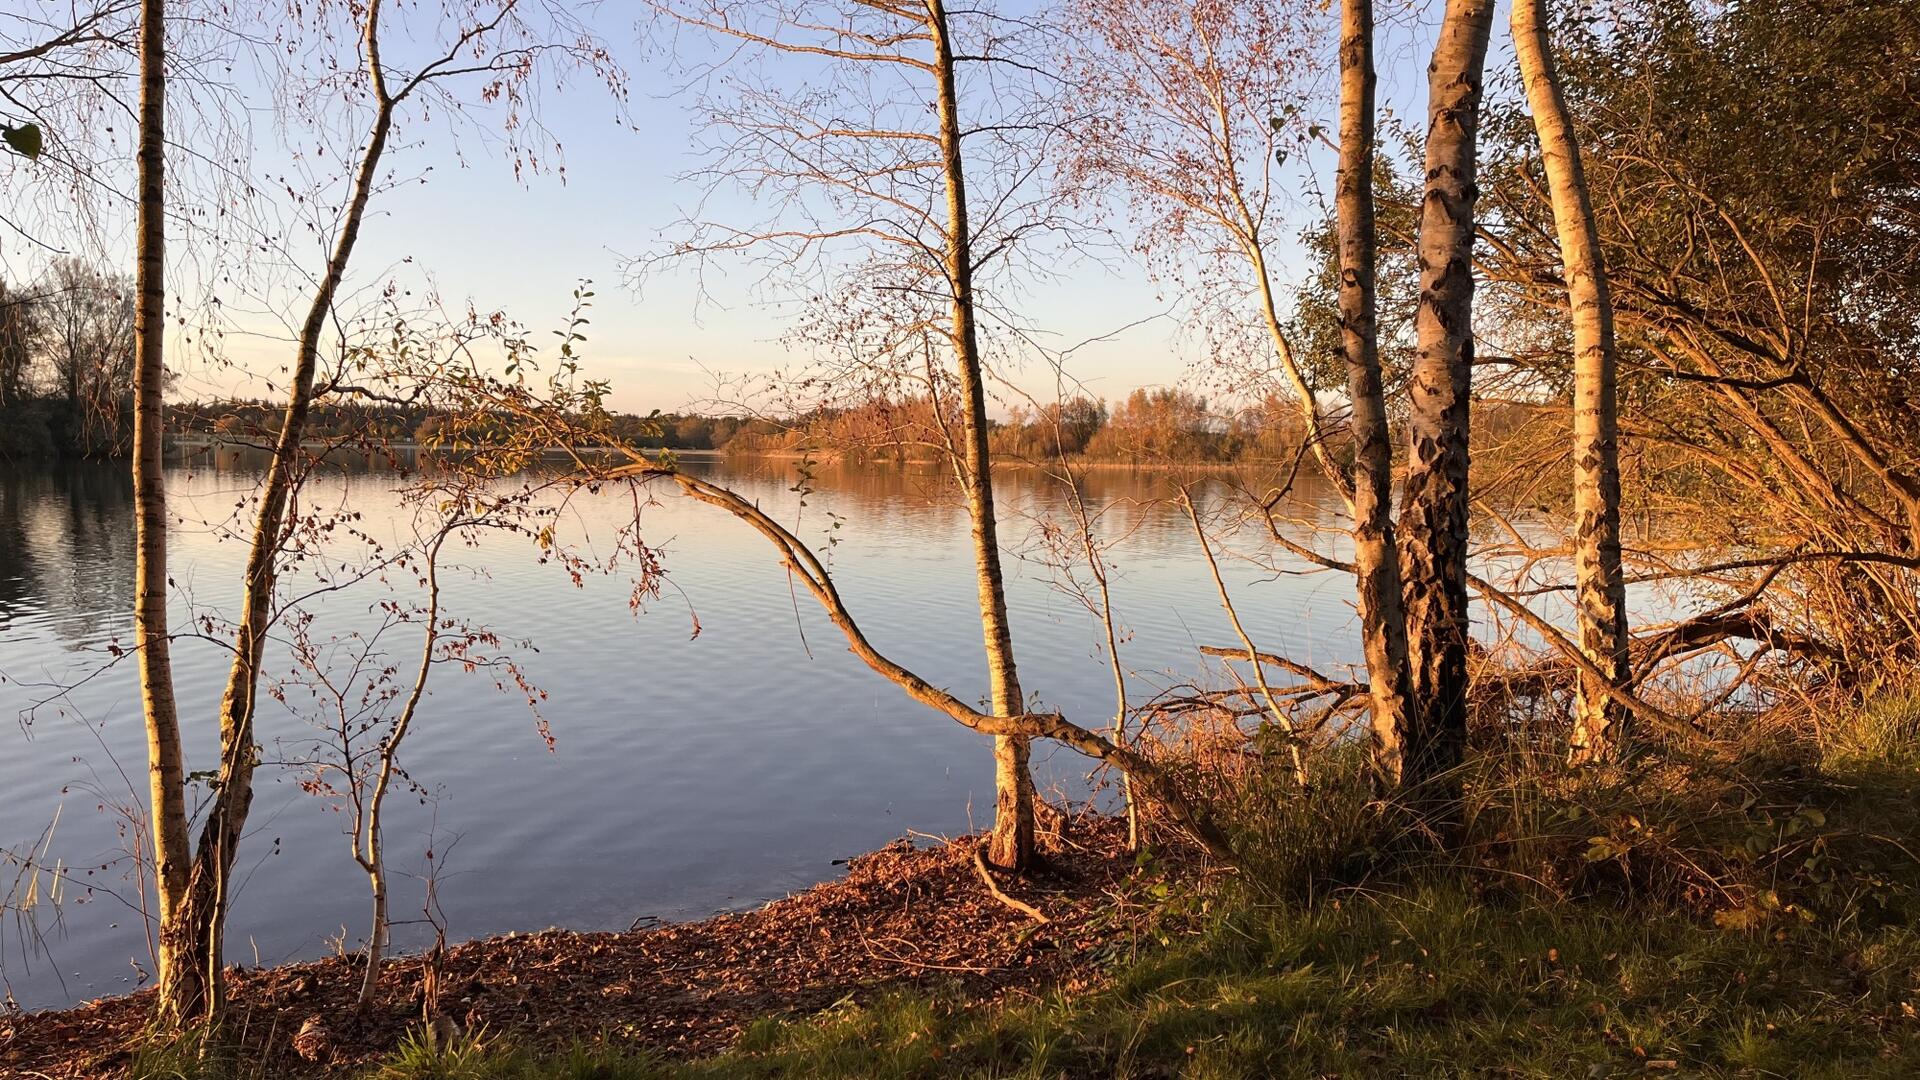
[[1425, 982], [1766, 924], [1882, 733]]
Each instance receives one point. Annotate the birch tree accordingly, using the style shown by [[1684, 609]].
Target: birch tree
[[1376, 560], [896, 144], [165, 768], [1434, 518], [1195, 105], [525, 418], [1601, 592], [493, 46], [1763, 319], [365, 700], [1199, 105]]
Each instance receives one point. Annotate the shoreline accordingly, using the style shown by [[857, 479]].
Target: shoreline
[[904, 916]]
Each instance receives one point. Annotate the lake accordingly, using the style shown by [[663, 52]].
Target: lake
[[688, 774]]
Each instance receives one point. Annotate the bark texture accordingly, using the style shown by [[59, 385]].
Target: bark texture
[[1011, 845], [1383, 618], [1434, 521], [178, 974], [1599, 723]]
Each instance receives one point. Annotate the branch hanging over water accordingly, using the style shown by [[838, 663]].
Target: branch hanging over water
[[1313, 680], [800, 560]]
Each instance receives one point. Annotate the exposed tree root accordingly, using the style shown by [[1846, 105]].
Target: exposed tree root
[[986, 875]]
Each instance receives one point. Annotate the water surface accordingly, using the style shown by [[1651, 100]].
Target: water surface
[[688, 774]]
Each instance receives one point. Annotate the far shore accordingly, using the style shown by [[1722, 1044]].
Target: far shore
[[199, 444]]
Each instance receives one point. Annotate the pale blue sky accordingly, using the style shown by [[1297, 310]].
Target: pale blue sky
[[488, 239]]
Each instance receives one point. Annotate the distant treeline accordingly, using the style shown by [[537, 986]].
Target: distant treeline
[[246, 420], [1148, 426], [66, 363], [1162, 425]]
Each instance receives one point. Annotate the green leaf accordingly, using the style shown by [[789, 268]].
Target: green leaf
[[1602, 848], [24, 139]]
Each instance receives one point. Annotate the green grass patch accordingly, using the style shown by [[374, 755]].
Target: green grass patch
[[1430, 981]]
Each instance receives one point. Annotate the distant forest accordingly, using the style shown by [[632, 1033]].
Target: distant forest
[[86, 415], [244, 421], [1148, 426], [66, 363]]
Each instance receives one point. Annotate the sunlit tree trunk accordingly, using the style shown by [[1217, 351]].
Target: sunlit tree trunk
[[1383, 619], [180, 988], [1011, 845], [1434, 520], [226, 821], [1598, 720]]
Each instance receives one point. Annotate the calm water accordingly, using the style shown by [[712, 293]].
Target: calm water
[[689, 774]]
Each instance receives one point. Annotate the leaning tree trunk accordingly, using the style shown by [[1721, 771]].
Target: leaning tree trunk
[[1383, 619], [1152, 782], [180, 988], [1434, 521], [1598, 721], [1011, 846], [226, 821]]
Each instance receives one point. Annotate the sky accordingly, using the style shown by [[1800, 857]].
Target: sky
[[461, 219]]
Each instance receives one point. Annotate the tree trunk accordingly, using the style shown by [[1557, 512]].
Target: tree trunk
[[180, 989], [1434, 521], [1011, 846], [1598, 721], [1096, 563], [372, 857], [1383, 619], [226, 820]]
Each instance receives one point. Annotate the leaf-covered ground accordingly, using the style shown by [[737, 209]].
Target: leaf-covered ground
[[903, 917]]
